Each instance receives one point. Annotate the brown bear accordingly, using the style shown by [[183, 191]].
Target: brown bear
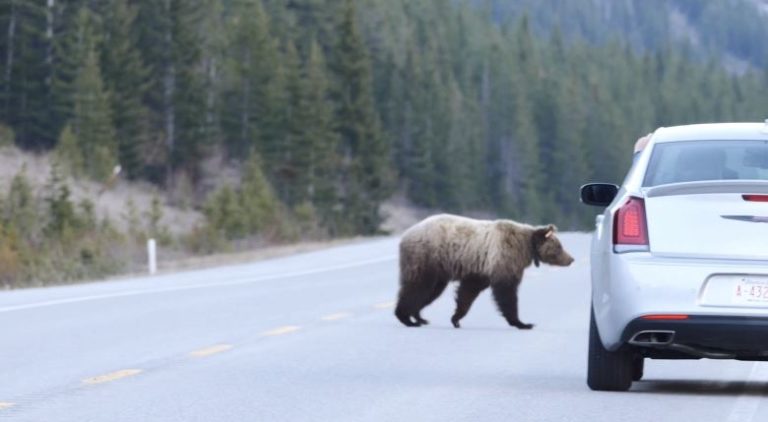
[[478, 254]]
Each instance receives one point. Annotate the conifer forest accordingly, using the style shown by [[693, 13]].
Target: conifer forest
[[326, 109]]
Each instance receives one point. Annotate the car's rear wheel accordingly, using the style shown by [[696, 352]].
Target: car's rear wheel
[[606, 370], [638, 365]]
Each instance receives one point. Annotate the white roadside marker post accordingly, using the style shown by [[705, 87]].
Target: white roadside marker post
[[152, 254]]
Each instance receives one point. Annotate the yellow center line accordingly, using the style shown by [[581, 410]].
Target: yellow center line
[[336, 317], [281, 330], [113, 376], [5, 405], [208, 351], [385, 305]]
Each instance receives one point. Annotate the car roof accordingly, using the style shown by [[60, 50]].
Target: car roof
[[712, 131]]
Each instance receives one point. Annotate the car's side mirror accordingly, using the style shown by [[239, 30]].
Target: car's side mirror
[[598, 194]]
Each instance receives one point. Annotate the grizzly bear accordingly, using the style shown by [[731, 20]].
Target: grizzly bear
[[478, 254]]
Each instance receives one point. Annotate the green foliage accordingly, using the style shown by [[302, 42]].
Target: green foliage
[[224, 212], [132, 219], [251, 209], [155, 228], [50, 239], [6, 135], [92, 118], [126, 79], [10, 262], [249, 102], [62, 218], [365, 176], [317, 141], [463, 105], [69, 153], [20, 211]]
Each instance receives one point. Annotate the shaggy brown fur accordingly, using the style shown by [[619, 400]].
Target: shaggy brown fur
[[477, 253]]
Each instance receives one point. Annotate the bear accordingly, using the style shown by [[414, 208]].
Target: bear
[[476, 253]]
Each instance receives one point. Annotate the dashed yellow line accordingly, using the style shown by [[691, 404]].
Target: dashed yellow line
[[114, 376], [208, 351], [336, 317], [282, 330], [5, 405], [385, 305]]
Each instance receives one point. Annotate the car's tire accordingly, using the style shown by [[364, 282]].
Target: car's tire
[[638, 365], [606, 370]]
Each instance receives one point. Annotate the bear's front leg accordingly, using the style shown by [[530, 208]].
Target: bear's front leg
[[466, 293], [505, 295]]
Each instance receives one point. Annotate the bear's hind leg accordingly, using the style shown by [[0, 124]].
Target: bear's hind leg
[[468, 290], [437, 290], [410, 301], [505, 295], [404, 316]]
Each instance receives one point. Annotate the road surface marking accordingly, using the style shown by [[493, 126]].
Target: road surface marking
[[747, 404], [281, 330], [5, 405], [336, 317], [208, 351], [385, 305], [114, 376], [196, 286]]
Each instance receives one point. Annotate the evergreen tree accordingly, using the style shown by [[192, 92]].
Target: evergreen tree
[[365, 155], [92, 120], [126, 79], [171, 44], [25, 71], [250, 103], [317, 138]]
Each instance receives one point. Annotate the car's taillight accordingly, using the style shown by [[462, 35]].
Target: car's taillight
[[630, 230], [755, 198]]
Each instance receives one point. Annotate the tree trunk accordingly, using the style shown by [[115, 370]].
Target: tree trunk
[[11, 41]]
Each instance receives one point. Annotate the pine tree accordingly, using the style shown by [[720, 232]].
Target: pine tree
[[365, 155], [19, 211], [168, 34], [294, 157], [62, 218], [258, 200], [317, 137], [25, 71], [250, 104], [92, 120], [126, 79], [314, 22]]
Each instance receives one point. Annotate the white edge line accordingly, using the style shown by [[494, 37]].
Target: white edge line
[[193, 287]]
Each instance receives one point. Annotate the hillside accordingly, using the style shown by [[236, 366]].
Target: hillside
[[732, 31], [273, 120], [113, 202]]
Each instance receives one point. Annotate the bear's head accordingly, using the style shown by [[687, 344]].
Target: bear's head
[[548, 249]]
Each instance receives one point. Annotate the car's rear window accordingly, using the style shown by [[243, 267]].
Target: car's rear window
[[692, 161]]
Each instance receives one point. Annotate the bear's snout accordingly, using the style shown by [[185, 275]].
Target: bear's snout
[[567, 260]]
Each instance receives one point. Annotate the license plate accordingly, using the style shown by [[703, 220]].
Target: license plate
[[752, 291]]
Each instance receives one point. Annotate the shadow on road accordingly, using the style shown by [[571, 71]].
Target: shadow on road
[[699, 387]]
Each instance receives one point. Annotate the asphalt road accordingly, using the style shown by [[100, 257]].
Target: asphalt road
[[312, 337]]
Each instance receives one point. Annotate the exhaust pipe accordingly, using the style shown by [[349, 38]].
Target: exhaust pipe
[[663, 339], [652, 338]]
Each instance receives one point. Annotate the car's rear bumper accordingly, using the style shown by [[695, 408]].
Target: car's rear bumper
[[706, 335], [629, 286]]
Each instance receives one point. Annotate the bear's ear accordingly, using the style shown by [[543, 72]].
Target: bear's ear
[[545, 232], [551, 229]]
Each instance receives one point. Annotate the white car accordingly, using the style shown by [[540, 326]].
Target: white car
[[680, 255]]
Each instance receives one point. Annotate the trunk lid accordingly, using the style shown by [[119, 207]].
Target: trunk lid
[[708, 220]]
